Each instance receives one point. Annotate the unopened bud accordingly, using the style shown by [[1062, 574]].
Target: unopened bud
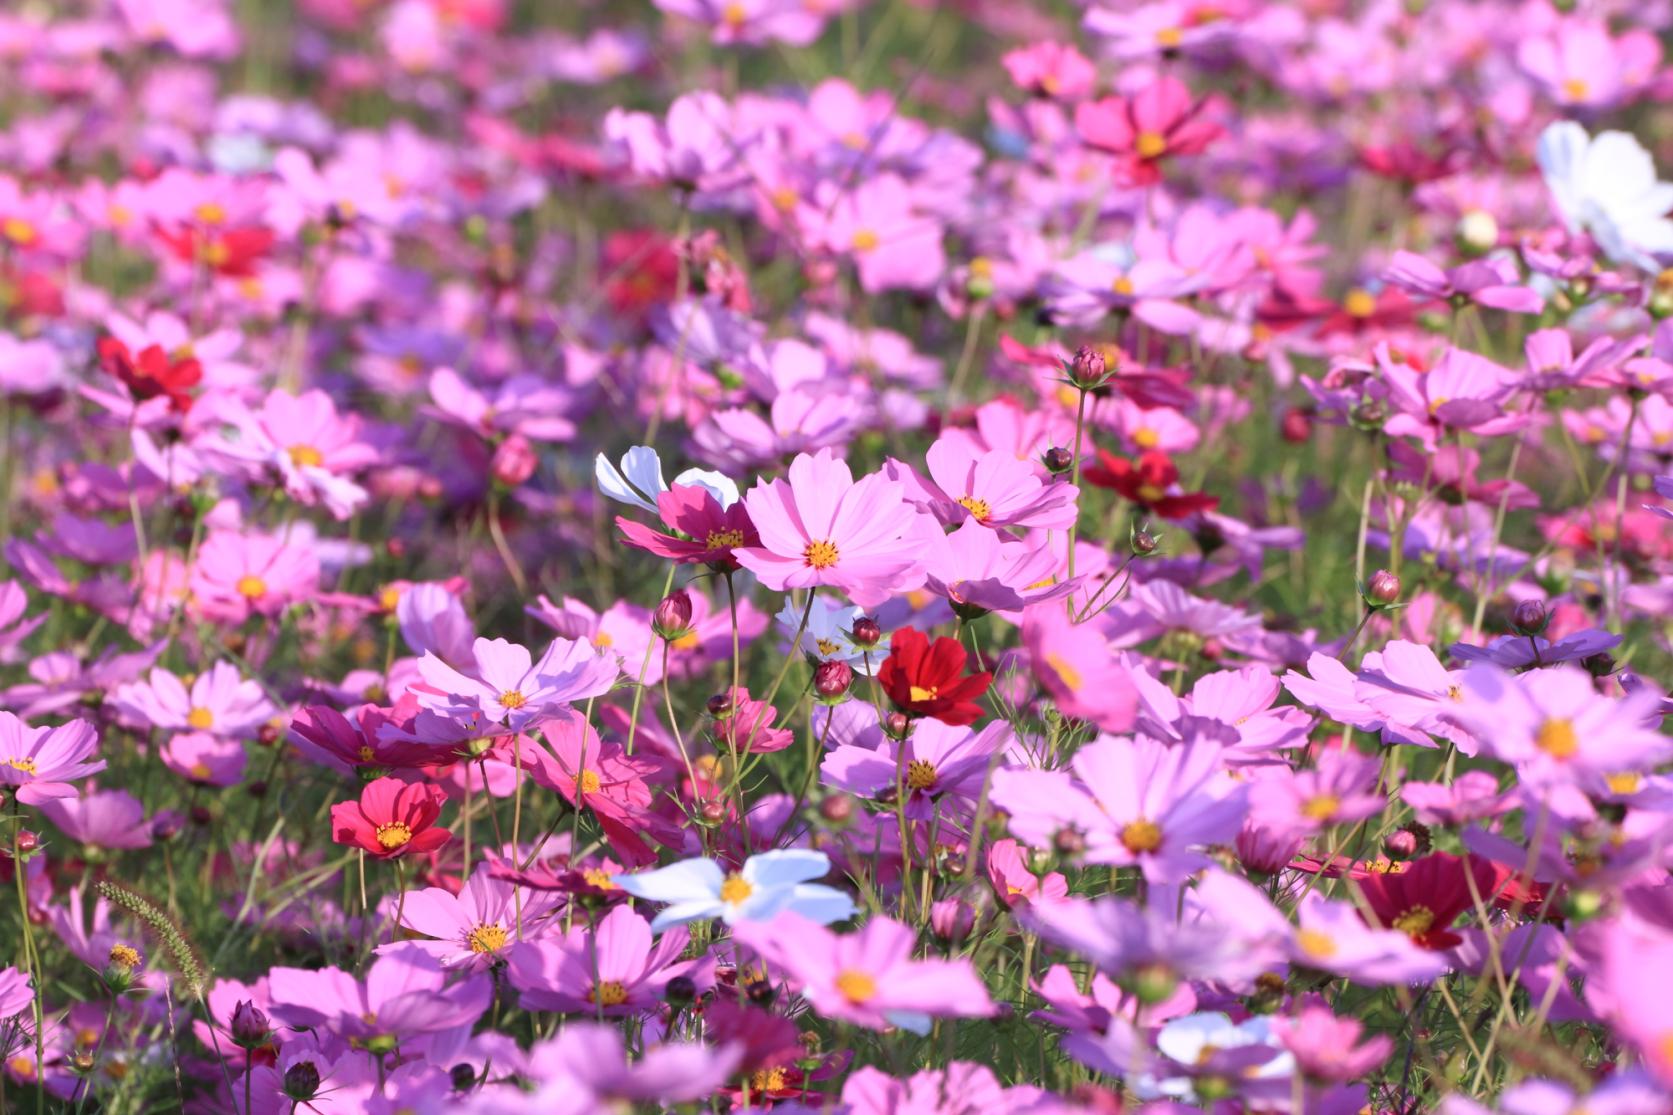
[[897, 725], [1087, 370], [837, 809], [301, 1081], [1477, 232], [1058, 460], [681, 991], [1599, 665], [1069, 842], [866, 633], [1296, 426], [1143, 542], [719, 706], [1382, 589], [713, 811], [1154, 983], [462, 1076], [514, 461], [27, 841], [1530, 617], [250, 1025], [1370, 414], [952, 919], [831, 681], [672, 618], [81, 1061]]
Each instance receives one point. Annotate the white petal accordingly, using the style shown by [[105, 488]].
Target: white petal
[[682, 912], [693, 880], [643, 469], [821, 904], [912, 1021], [785, 867], [719, 485], [613, 484]]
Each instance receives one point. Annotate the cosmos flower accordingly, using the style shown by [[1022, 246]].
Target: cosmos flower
[[507, 686], [477, 926], [38, 764], [392, 818], [764, 885], [220, 701], [612, 968], [924, 678]]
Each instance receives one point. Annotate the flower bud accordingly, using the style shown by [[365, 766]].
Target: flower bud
[[672, 618], [838, 809], [1058, 460], [301, 1081], [514, 461], [1296, 426], [1530, 617], [866, 633], [1370, 414], [897, 725], [1382, 589], [1599, 665], [1069, 842], [952, 919], [831, 681], [681, 991], [1143, 542], [27, 841], [719, 706], [1400, 845], [1153, 983], [1087, 370], [1661, 303], [462, 1076], [250, 1025], [81, 1061], [166, 824], [713, 811]]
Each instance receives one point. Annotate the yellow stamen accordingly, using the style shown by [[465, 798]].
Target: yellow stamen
[[1556, 737], [1150, 145], [920, 775], [1416, 921], [820, 555], [856, 987], [393, 835], [487, 938], [250, 586], [200, 718], [978, 508], [1141, 836], [735, 889]]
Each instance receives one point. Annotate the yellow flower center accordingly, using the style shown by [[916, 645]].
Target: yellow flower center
[[820, 555], [982, 267], [826, 646], [603, 639], [393, 835], [1416, 921], [1321, 807], [125, 956], [513, 698], [1070, 676], [724, 539], [211, 213], [918, 693], [735, 889], [389, 598], [1150, 145], [856, 987], [920, 775], [251, 586], [18, 230], [22, 1066], [305, 456], [200, 718], [1360, 303], [768, 1080], [25, 764], [733, 15], [589, 782], [1151, 493], [1146, 438], [864, 240], [1626, 782], [688, 641], [1123, 286], [1141, 836], [487, 938], [609, 993], [1169, 37], [1316, 944], [366, 753], [1556, 737], [598, 877], [1576, 88], [977, 507]]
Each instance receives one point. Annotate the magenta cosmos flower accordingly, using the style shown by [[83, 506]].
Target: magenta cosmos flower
[[40, 763], [821, 527], [612, 969], [405, 994], [980, 570], [478, 925], [869, 977], [995, 488]]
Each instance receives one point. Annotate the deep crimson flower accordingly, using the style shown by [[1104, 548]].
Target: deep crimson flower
[[1424, 900], [392, 818], [1158, 121], [152, 373], [640, 269], [927, 679], [1148, 481], [231, 252]]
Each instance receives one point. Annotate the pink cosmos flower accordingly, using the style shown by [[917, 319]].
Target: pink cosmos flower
[[1131, 802], [755, 22], [523, 404], [1051, 69], [746, 726], [697, 147], [508, 687], [479, 925], [821, 527], [1158, 121], [980, 570], [879, 225], [1327, 1047], [1489, 282], [101, 818], [1339, 789], [994, 488], [585, 1070], [237, 575], [303, 441], [613, 969], [1075, 665], [1240, 700], [220, 701], [867, 977], [1554, 727], [1333, 937], [962, 1086], [1578, 63], [405, 994], [1463, 391], [1013, 881], [39, 764], [208, 760], [13, 627], [938, 766]]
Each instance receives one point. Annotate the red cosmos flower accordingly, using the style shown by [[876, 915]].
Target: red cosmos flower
[[640, 270], [1426, 898], [231, 252], [152, 373], [1157, 121], [927, 679], [1147, 482], [712, 531], [392, 818], [1361, 310]]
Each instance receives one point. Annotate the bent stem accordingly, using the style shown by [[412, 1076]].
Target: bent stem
[[31, 962]]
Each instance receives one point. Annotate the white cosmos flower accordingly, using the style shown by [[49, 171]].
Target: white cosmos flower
[[639, 479], [826, 635], [1606, 185], [767, 885], [1195, 1039]]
